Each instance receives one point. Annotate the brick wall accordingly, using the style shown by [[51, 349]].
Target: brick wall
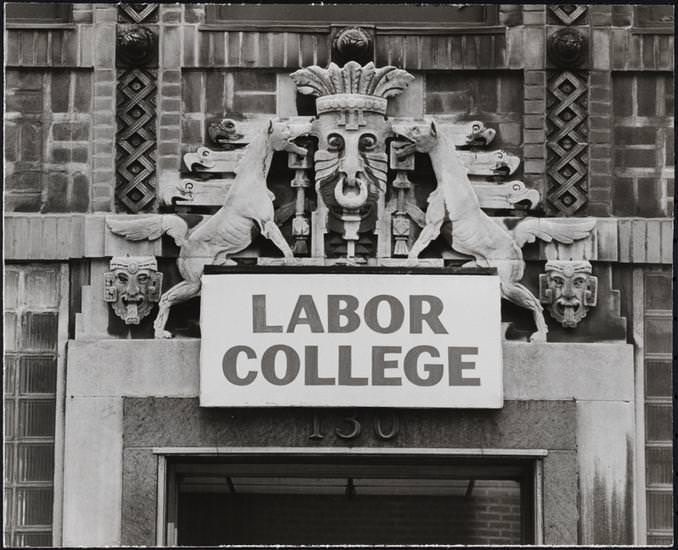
[[493, 97], [643, 144], [48, 140], [212, 94]]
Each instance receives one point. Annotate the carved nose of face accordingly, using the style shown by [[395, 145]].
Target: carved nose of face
[[132, 288], [352, 196], [351, 167]]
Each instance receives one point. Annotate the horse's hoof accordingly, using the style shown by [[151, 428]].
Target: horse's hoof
[[538, 338]]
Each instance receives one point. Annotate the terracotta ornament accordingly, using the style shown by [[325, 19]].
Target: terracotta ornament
[[569, 289], [132, 287]]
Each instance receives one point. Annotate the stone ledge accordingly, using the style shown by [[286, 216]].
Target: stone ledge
[[170, 368], [66, 236]]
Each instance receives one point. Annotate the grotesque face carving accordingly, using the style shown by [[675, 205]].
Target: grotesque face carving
[[569, 289], [351, 161], [132, 286]]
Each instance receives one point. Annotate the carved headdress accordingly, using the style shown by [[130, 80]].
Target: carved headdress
[[351, 89]]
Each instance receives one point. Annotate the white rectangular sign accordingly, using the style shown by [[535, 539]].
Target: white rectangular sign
[[359, 340]]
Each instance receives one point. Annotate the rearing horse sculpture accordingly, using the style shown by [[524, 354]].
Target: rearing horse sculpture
[[248, 205], [473, 232]]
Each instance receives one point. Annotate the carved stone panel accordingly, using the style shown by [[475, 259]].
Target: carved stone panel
[[567, 169], [136, 140], [137, 60]]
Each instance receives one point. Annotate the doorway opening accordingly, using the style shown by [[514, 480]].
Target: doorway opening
[[391, 500]]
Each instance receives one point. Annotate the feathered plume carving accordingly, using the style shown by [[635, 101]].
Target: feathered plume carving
[[352, 78]]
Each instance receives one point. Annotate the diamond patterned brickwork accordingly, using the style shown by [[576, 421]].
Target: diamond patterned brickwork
[[568, 14], [137, 13], [136, 140], [567, 143]]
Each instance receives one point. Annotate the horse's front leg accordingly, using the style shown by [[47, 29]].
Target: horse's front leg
[[428, 234], [435, 216], [272, 231], [185, 290]]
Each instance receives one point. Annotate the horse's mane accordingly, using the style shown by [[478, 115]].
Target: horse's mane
[[254, 154]]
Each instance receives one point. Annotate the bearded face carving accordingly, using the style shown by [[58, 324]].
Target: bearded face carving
[[569, 289], [351, 162], [351, 165], [132, 286]]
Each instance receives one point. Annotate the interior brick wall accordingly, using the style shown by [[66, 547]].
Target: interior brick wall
[[489, 516]]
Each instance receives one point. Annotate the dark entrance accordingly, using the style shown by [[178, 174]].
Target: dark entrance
[[350, 500]]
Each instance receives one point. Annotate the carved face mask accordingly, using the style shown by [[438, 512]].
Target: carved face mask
[[570, 289], [132, 286], [351, 162]]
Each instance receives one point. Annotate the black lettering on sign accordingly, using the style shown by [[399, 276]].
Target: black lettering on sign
[[259, 323], [292, 365], [380, 364], [305, 313], [345, 377], [229, 365], [396, 309], [457, 366], [432, 316], [342, 306], [311, 377], [434, 371]]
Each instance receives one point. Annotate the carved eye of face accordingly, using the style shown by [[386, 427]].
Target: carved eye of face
[[579, 282], [558, 281], [122, 277], [367, 142], [143, 278], [335, 142]]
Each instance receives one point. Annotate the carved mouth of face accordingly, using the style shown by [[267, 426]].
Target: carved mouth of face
[[403, 146], [570, 309], [131, 309], [350, 196]]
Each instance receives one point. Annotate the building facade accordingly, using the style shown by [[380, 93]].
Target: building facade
[[338, 142]]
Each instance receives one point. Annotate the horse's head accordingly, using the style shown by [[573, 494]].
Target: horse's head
[[416, 136], [282, 133]]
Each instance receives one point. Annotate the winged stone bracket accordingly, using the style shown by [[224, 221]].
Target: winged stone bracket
[[507, 194], [132, 286], [569, 290]]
